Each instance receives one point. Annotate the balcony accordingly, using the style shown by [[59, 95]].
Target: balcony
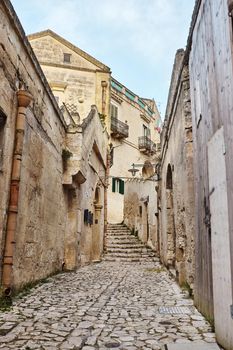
[[146, 145], [119, 129]]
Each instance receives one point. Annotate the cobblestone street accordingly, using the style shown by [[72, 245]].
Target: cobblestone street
[[104, 306]]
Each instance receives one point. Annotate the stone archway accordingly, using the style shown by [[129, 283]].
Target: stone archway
[[96, 229], [171, 234]]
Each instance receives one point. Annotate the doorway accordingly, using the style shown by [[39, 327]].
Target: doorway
[[97, 240]]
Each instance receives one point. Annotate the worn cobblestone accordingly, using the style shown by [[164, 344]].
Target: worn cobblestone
[[104, 306]]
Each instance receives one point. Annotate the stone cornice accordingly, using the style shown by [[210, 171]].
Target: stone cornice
[[60, 65]]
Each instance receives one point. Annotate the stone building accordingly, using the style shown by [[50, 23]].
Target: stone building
[[140, 210], [209, 52], [78, 81], [52, 170], [134, 139], [84, 178], [176, 194], [203, 72]]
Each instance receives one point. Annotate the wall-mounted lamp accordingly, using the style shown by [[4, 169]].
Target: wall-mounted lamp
[[148, 170], [133, 170]]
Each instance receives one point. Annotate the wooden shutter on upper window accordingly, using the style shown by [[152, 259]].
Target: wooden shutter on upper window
[[113, 184], [122, 187]]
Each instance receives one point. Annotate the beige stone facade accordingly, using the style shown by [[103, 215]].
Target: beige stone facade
[[52, 169], [140, 210], [76, 78], [83, 81], [176, 193], [134, 139]]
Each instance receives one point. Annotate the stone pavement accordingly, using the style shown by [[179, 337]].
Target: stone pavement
[[110, 305]]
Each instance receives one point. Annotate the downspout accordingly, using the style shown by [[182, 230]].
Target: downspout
[[24, 99], [104, 85]]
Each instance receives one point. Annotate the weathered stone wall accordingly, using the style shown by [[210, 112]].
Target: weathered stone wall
[[176, 187], [39, 238], [78, 84], [211, 82], [55, 186], [95, 142], [140, 210]]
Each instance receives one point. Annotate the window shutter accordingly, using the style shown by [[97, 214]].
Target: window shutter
[[122, 187], [113, 184]]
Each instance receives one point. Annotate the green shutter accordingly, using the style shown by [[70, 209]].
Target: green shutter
[[113, 184], [122, 187]]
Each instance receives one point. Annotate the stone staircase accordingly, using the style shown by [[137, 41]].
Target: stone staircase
[[121, 245]]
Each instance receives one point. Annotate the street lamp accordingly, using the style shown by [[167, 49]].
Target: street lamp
[[133, 170], [148, 170]]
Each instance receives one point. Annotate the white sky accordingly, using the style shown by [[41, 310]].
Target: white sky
[[137, 39]]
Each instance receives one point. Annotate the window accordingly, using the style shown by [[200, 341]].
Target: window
[[67, 57], [114, 111], [146, 131], [2, 127], [118, 185]]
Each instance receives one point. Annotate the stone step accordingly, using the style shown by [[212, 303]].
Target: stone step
[[115, 251], [121, 245], [125, 246], [118, 228], [128, 255], [120, 232], [116, 259], [124, 237]]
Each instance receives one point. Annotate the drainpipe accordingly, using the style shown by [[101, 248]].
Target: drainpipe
[[104, 85], [24, 99]]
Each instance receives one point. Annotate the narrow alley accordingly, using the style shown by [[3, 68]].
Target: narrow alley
[[116, 187], [123, 305]]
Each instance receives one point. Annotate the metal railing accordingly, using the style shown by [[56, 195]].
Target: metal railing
[[145, 144], [118, 128]]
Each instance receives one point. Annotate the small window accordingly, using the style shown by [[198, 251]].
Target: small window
[[146, 131], [114, 111], [67, 57], [118, 185]]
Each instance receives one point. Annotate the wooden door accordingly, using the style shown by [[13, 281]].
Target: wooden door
[[220, 239]]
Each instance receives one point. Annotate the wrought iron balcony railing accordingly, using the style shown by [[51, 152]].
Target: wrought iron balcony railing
[[119, 129], [146, 145]]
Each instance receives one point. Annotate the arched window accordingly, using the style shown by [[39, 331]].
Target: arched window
[[169, 184]]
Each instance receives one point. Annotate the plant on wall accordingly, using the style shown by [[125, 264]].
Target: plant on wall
[[66, 154]]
